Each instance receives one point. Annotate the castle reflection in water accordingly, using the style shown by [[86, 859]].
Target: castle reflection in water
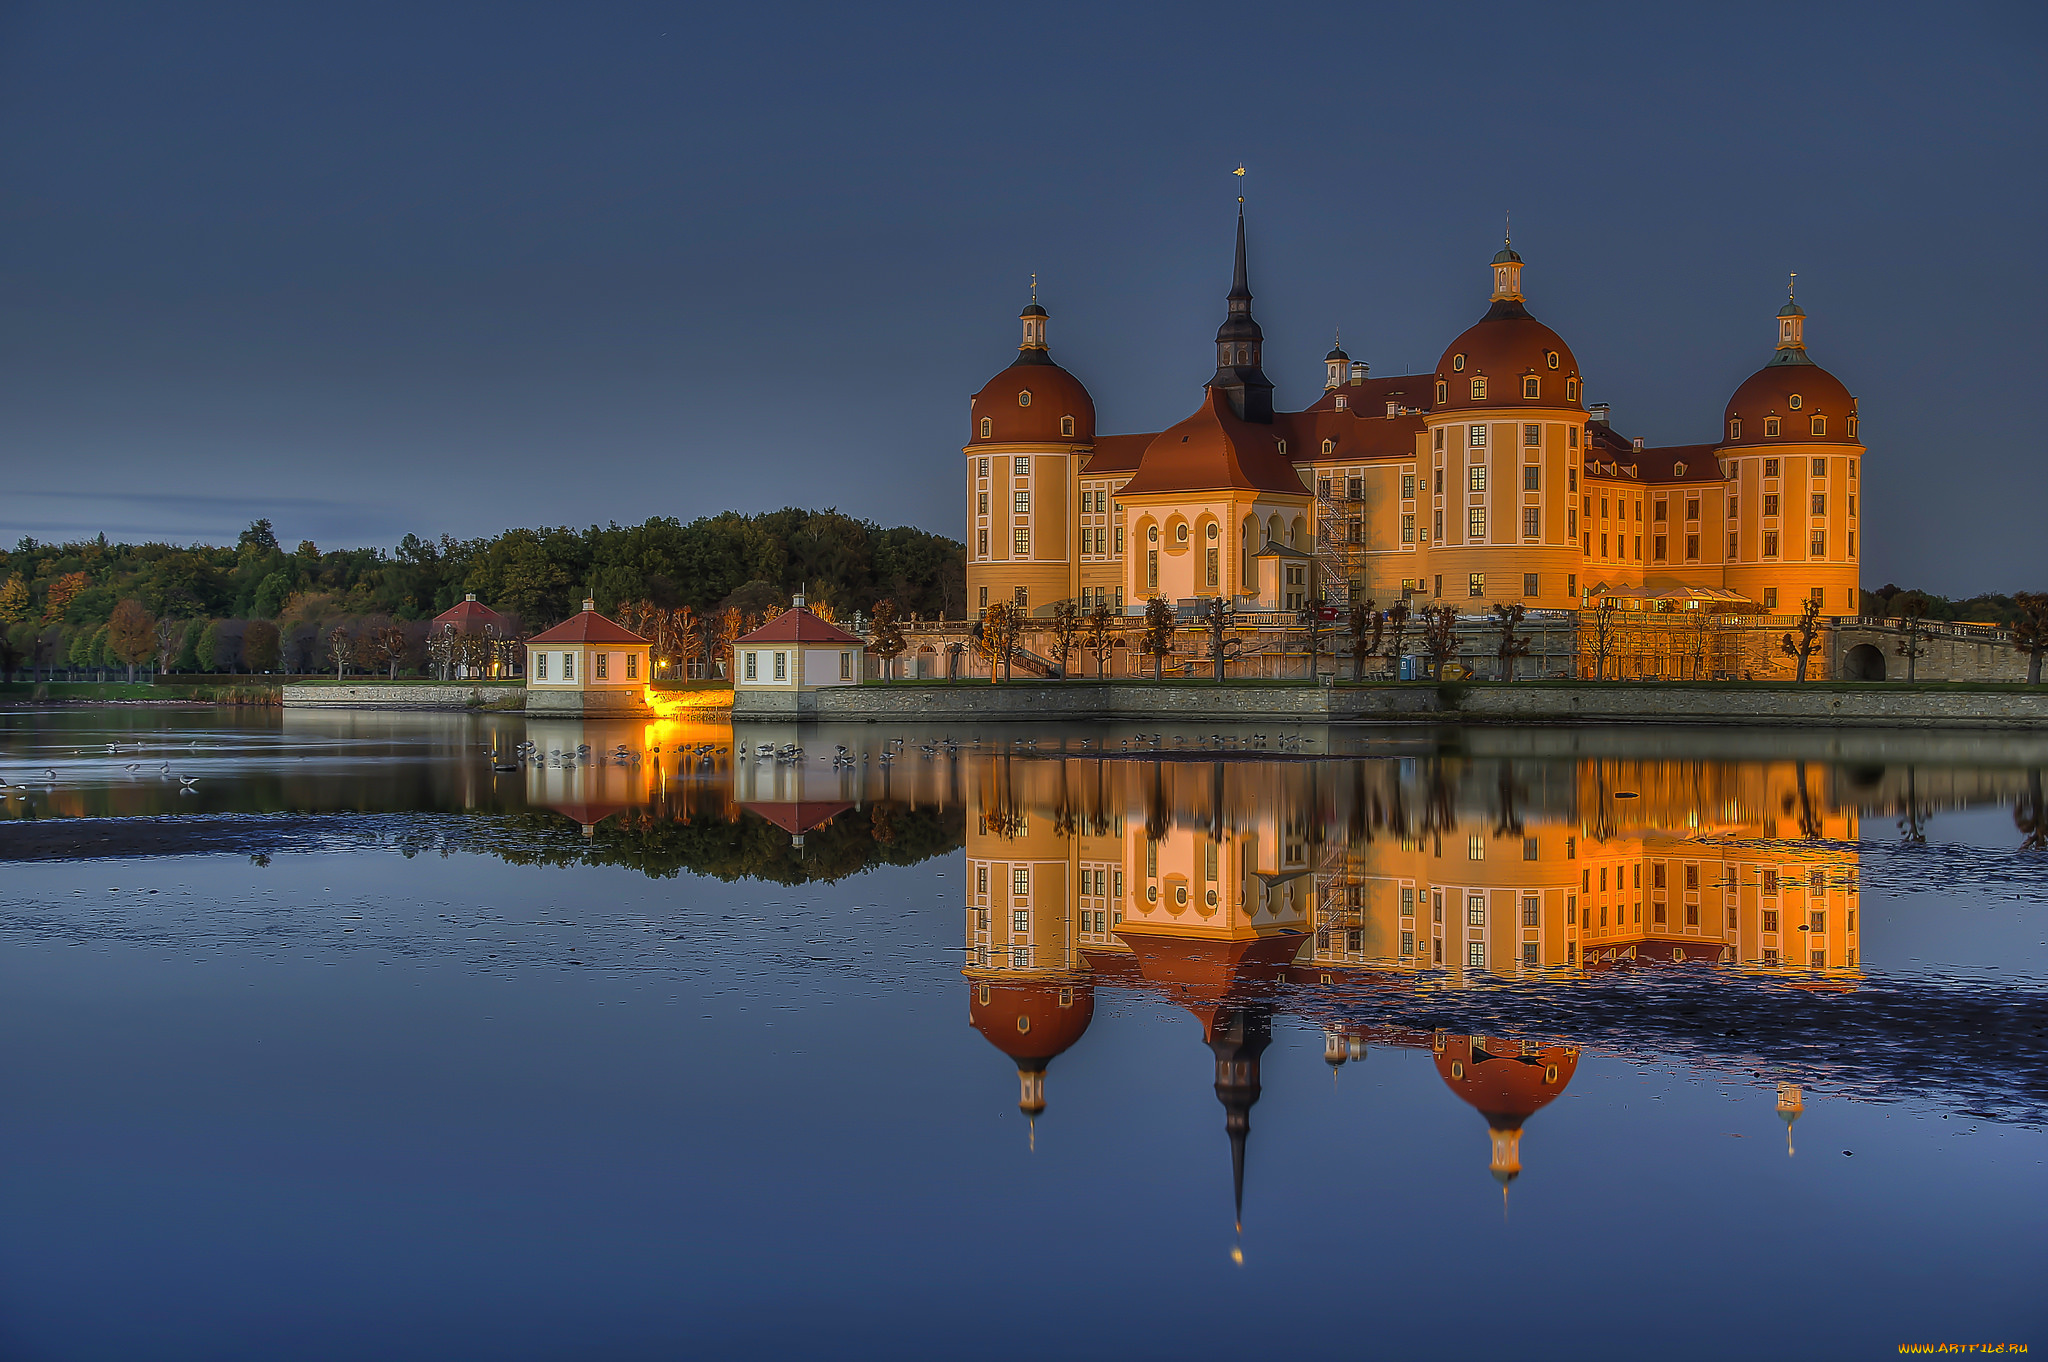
[[1227, 884]]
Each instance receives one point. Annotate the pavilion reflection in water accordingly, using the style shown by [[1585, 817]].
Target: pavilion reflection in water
[[1235, 887]]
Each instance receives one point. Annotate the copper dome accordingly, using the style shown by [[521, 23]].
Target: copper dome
[[1504, 347], [1025, 404], [1794, 391]]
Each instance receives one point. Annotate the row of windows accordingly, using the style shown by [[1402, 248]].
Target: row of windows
[[1773, 427], [601, 662], [1532, 387], [988, 426]]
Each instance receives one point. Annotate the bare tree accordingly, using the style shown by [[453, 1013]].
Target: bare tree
[[1439, 636], [1909, 645], [1808, 635], [1508, 618], [1368, 627], [1066, 627], [341, 646], [1158, 639], [1223, 649], [1602, 625], [1311, 619], [2030, 630], [170, 638], [1397, 635], [1104, 634], [441, 652]]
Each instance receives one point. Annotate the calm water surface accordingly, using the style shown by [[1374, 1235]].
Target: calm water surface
[[332, 1040]]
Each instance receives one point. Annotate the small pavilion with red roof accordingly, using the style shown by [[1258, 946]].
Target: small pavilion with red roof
[[587, 664], [797, 651], [470, 616]]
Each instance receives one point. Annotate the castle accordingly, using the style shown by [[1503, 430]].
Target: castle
[[1489, 481]]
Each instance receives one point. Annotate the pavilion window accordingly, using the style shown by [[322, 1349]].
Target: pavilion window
[[604, 669], [568, 666]]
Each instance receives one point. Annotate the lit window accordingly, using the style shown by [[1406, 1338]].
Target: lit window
[[1820, 503], [1475, 850], [1020, 880], [1820, 544], [1408, 529], [1021, 542], [1024, 398], [1770, 468], [1478, 390], [1530, 528], [1771, 551], [568, 666], [1475, 524], [1532, 386], [981, 543], [1475, 584], [1328, 447], [1571, 390], [1820, 468], [1475, 955], [1477, 437], [1020, 503], [1475, 477], [988, 428]]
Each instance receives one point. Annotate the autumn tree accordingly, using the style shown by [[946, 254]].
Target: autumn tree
[[1368, 627], [1507, 619], [885, 636], [1104, 636], [1805, 636], [997, 632], [62, 592], [391, 645], [14, 600], [2030, 630], [1439, 636], [131, 635], [1158, 640], [262, 646]]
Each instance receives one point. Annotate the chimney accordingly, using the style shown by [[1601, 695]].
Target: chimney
[[470, 597], [796, 602], [1393, 409], [1598, 411], [1359, 369], [1639, 442], [589, 604]]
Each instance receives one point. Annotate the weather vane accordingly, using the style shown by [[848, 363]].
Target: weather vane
[[1034, 286], [1792, 286], [1507, 229]]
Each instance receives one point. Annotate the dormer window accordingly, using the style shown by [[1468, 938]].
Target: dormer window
[[1820, 425], [1024, 398], [1770, 426], [1341, 403], [1282, 444], [1571, 390], [1678, 471], [1443, 393], [1550, 358], [1852, 427], [988, 428], [1734, 427], [1329, 446], [1532, 386], [1458, 363], [1478, 390], [1795, 401], [1066, 425]]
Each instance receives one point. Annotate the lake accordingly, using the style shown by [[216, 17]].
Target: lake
[[327, 1037]]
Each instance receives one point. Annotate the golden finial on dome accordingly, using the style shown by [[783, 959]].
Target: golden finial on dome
[[1792, 287], [1239, 172], [1034, 286]]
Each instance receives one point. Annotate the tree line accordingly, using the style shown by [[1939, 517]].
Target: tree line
[[257, 607]]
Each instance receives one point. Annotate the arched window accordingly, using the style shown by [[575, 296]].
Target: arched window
[[1329, 446], [1024, 398], [1443, 393], [1532, 386], [1066, 425], [1571, 390], [988, 428]]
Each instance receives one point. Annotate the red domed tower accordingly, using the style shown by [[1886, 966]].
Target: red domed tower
[[1033, 1022], [1793, 456], [1506, 435], [1032, 425], [1507, 1081]]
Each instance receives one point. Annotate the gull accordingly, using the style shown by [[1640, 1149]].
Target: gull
[[188, 781]]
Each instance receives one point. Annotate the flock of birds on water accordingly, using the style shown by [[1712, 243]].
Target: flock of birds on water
[[114, 752], [703, 756]]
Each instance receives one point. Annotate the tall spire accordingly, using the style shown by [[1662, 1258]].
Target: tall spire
[[1241, 344]]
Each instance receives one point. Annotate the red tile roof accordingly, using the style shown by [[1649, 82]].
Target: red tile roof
[[587, 626], [801, 816], [1213, 450], [470, 617], [798, 625]]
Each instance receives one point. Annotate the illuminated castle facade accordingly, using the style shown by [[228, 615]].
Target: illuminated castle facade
[[1488, 481]]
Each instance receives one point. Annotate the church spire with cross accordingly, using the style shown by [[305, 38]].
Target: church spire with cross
[[1240, 343]]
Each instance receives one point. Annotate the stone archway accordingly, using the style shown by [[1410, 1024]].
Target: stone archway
[[1863, 663]]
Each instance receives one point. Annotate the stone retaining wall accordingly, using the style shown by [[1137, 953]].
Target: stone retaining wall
[[373, 695], [1612, 702]]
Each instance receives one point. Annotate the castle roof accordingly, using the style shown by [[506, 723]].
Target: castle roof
[[587, 626]]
